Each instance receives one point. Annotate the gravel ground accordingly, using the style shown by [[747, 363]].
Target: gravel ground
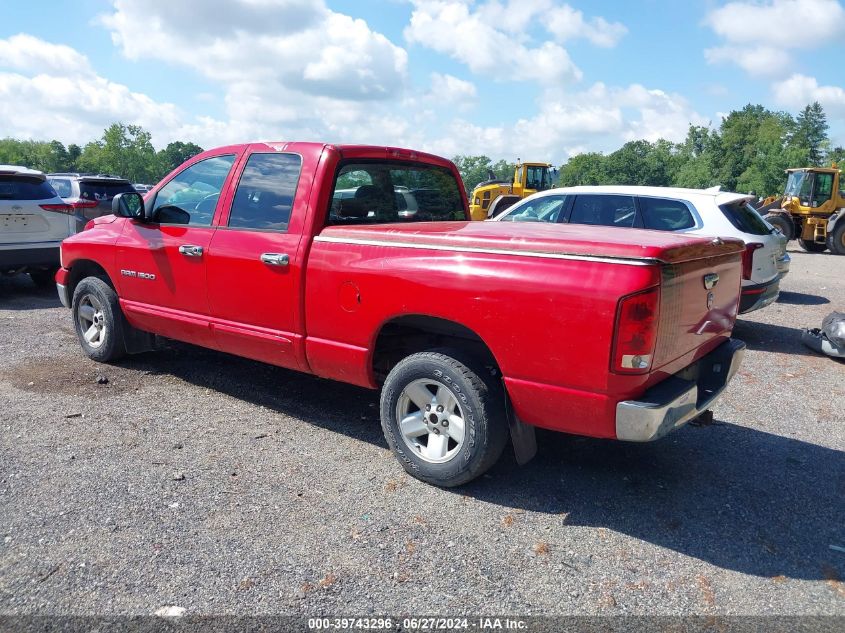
[[219, 485]]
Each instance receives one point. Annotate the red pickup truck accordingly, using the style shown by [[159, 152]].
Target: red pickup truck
[[360, 264]]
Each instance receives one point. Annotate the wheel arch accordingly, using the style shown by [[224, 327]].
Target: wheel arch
[[82, 268], [403, 335]]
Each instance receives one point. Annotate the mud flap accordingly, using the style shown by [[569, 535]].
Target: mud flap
[[523, 436]]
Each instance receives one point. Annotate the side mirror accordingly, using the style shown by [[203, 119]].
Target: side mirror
[[171, 214], [128, 205]]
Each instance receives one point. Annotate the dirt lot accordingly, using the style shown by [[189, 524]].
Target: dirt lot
[[220, 485]]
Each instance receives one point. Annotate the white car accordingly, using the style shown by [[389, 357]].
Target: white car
[[33, 222], [707, 212]]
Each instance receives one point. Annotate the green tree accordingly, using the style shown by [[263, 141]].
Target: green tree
[[583, 169], [124, 150], [811, 133], [475, 169], [177, 153]]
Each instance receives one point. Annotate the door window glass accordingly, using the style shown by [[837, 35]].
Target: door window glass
[[604, 210], [264, 197], [192, 195], [665, 215], [824, 189]]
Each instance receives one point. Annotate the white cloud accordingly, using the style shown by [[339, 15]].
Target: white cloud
[[567, 23], [64, 98], [447, 89], [760, 35], [799, 90]]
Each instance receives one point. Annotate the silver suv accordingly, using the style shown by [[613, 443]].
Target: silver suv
[[89, 195], [33, 222]]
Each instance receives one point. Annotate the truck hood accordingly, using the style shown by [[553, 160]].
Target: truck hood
[[541, 238]]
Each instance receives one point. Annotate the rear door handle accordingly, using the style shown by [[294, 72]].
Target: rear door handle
[[190, 250], [275, 259]]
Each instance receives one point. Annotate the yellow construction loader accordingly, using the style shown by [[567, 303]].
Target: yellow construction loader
[[811, 209], [492, 197]]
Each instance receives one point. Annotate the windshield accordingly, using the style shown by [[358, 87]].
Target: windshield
[[545, 209], [795, 182]]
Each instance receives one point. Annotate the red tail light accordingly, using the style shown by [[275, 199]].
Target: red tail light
[[748, 258], [57, 208], [84, 204], [636, 332]]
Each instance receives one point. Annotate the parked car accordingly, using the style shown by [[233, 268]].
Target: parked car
[[470, 329], [707, 212], [33, 222], [89, 195], [142, 188]]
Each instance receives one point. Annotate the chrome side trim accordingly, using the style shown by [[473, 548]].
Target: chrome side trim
[[629, 261]]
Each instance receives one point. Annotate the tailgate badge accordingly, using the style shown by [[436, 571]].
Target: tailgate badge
[[709, 300], [710, 280]]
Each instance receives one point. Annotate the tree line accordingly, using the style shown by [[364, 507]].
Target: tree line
[[123, 150], [749, 151]]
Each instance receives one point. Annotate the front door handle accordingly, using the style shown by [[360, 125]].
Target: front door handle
[[190, 250], [275, 259]]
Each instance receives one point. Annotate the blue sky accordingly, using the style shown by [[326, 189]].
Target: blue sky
[[538, 79]]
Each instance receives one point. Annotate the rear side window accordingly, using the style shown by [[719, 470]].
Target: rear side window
[[604, 210], [375, 192], [545, 209], [102, 189], [745, 218], [665, 215], [22, 188], [62, 187], [265, 193]]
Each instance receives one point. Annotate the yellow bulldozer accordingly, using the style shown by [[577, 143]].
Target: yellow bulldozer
[[492, 197], [811, 209]]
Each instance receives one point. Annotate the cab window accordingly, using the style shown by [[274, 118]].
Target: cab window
[[665, 215], [378, 192], [604, 210], [191, 196], [264, 197]]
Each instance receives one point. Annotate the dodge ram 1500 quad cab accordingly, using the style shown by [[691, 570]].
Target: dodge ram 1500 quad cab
[[305, 256]]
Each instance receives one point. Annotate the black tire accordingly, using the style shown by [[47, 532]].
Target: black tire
[[44, 278], [836, 238], [783, 223], [812, 247], [480, 401], [94, 293]]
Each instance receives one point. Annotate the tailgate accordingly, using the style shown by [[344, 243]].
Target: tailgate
[[699, 300]]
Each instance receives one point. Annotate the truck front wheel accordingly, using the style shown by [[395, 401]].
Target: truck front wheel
[[98, 320], [444, 417], [836, 238]]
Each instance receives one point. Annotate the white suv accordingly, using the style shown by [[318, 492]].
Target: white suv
[[33, 222], [708, 212]]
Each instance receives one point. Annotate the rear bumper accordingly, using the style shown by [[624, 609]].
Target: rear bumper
[[41, 256], [759, 295], [681, 398]]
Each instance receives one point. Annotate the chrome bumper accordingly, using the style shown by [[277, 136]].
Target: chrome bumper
[[680, 398], [62, 290]]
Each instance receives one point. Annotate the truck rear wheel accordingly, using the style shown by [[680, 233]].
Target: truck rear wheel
[[98, 320], [783, 223], [812, 247], [836, 238], [443, 417]]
